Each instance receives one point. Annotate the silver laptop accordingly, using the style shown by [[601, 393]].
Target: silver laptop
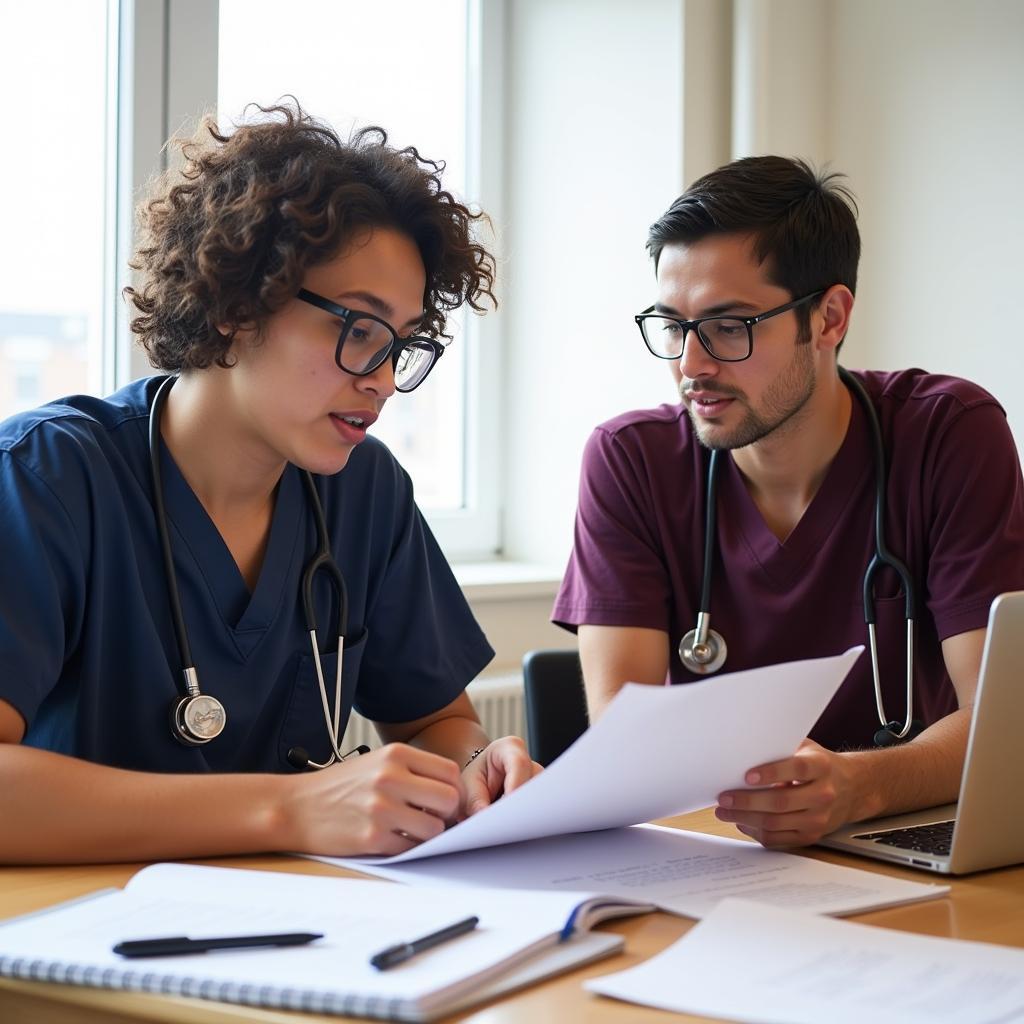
[[985, 828]]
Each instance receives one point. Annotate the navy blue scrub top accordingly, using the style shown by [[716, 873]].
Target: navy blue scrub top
[[87, 647]]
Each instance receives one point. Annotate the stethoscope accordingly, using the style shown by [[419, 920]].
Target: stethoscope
[[703, 650], [197, 718]]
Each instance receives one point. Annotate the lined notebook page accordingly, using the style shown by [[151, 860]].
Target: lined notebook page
[[358, 918]]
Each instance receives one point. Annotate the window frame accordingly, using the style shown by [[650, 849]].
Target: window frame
[[166, 76]]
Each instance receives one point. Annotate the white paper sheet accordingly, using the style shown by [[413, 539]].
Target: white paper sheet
[[766, 965], [658, 751], [682, 872]]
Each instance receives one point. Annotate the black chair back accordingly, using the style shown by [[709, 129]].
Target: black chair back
[[556, 704]]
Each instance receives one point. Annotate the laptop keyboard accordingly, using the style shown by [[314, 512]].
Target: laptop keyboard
[[932, 838]]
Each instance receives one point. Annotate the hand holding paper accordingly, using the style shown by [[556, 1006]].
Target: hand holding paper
[[501, 767], [815, 798], [652, 754]]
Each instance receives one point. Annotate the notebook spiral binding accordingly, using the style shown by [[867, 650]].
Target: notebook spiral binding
[[309, 1000]]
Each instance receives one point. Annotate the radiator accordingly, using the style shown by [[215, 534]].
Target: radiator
[[498, 701]]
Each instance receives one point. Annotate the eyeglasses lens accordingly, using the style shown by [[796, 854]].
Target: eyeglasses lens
[[726, 338], [413, 364], [366, 345], [663, 336]]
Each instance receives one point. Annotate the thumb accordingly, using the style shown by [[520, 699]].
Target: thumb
[[478, 796]]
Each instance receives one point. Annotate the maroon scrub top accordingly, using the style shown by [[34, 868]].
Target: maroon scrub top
[[954, 516]]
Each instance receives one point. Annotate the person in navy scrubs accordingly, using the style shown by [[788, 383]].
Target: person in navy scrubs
[[289, 283]]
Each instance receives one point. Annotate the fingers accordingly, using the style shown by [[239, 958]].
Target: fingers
[[411, 824], [806, 764], [422, 762], [383, 802], [780, 799], [775, 839], [420, 779], [774, 830], [391, 799], [392, 830], [515, 763], [503, 767], [796, 803], [478, 795], [767, 821], [783, 782]]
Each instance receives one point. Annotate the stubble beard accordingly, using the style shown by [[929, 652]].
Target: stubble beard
[[784, 399]]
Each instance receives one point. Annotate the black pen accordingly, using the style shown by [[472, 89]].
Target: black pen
[[179, 945], [395, 955]]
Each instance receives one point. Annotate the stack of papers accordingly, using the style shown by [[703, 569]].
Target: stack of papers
[[650, 755], [764, 965], [685, 873]]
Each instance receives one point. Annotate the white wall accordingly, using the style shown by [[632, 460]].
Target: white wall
[[594, 152], [920, 103], [781, 77], [614, 107], [928, 120]]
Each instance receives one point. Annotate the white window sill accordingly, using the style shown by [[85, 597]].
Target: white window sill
[[507, 580]]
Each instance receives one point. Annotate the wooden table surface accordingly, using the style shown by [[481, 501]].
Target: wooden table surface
[[986, 907]]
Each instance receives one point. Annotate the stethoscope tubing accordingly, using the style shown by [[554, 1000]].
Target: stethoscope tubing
[[170, 575], [702, 650], [883, 557], [322, 561]]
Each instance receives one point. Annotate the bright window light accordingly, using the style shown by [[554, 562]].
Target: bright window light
[[53, 64], [400, 64]]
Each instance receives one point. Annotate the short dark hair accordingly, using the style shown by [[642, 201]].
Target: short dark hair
[[803, 221], [228, 238]]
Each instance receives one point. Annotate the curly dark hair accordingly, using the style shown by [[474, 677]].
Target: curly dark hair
[[228, 238]]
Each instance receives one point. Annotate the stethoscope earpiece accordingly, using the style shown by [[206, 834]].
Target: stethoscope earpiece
[[298, 758], [889, 735]]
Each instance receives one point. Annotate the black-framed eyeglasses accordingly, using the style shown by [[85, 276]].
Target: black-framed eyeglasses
[[729, 339], [366, 341]]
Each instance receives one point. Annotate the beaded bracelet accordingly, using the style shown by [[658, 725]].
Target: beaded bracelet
[[472, 757]]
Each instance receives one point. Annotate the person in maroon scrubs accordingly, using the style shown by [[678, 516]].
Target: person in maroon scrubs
[[756, 272]]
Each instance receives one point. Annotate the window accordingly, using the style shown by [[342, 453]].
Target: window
[[415, 68], [54, 66], [400, 64]]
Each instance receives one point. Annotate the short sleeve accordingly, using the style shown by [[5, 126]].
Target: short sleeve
[[41, 586], [616, 574], [423, 645], [976, 542]]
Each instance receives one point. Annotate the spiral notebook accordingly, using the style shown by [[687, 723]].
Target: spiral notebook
[[522, 937]]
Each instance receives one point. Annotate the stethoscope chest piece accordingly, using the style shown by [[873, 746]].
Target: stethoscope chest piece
[[703, 650], [198, 719]]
